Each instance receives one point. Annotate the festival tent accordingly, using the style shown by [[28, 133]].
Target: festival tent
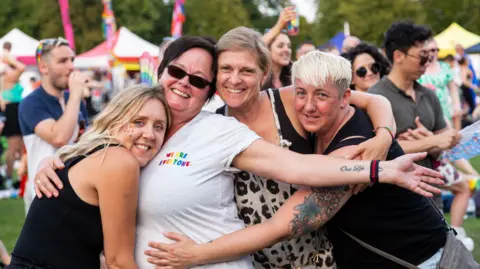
[[473, 49], [455, 34], [127, 50], [23, 46], [336, 41]]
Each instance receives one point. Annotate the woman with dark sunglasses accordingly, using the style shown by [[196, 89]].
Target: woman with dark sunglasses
[[440, 78], [368, 65]]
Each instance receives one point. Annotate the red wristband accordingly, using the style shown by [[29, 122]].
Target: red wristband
[[374, 171]]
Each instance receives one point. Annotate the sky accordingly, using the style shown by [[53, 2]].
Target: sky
[[306, 8]]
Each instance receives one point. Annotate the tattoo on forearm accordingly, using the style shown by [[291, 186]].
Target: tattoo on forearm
[[321, 205], [355, 168]]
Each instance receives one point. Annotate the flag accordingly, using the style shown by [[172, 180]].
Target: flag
[[109, 29], [67, 25], [178, 18]]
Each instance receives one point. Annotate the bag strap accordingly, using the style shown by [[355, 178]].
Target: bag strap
[[449, 228], [381, 252]]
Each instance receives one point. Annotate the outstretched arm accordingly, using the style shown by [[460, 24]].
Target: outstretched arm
[[305, 211], [268, 160]]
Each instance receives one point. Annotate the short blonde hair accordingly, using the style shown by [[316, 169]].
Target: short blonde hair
[[243, 38], [121, 109], [316, 67]]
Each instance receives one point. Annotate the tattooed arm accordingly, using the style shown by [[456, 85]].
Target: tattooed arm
[[305, 211], [318, 207]]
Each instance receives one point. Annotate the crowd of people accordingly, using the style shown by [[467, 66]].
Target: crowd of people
[[333, 160]]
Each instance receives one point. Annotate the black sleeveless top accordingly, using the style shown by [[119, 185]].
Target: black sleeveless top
[[299, 144], [390, 218], [63, 232]]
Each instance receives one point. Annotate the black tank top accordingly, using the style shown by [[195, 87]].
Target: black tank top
[[299, 144], [63, 232], [385, 216]]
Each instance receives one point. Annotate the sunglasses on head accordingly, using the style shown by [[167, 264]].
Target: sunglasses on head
[[194, 80], [49, 44], [362, 71]]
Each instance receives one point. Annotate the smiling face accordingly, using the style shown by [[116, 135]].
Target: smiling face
[[318, 108], [281, 50], [145, 132], [239, 77], [365, 61], [183, 98]]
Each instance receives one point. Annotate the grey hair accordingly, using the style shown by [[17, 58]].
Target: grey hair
[[243, 38], [316, 67]]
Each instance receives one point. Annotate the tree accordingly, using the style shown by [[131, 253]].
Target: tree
[[149, 19], [371, 28], [440, 14], [329, 21], [214, 17], [85, 16]]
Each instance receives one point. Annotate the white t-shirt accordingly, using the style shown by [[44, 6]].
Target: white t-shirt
[[187, 188]]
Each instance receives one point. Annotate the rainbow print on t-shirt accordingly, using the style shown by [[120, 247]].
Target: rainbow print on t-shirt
[[176, 158]]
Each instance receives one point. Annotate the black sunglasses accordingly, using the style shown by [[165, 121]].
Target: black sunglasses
[[362, 71], [179, 73], [423, 58]]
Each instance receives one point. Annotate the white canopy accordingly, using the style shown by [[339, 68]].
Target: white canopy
[[23, 46], [128, 47]]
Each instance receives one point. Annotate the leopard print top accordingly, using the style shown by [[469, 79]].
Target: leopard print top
[[253, 209], [251, 192]]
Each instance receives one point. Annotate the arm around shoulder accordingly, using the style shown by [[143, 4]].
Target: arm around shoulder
[[117, 188]]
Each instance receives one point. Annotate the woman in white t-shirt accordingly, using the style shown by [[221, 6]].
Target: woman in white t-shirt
[[187, 189]]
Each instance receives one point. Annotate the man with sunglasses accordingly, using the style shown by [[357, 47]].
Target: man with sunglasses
[[50, 117], [405, 46]]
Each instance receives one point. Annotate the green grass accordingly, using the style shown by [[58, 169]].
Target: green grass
[[12, 217]]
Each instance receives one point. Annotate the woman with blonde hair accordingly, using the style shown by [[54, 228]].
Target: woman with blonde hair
[[96, 209]]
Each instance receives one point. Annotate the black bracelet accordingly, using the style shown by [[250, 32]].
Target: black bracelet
[[374, 171]]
